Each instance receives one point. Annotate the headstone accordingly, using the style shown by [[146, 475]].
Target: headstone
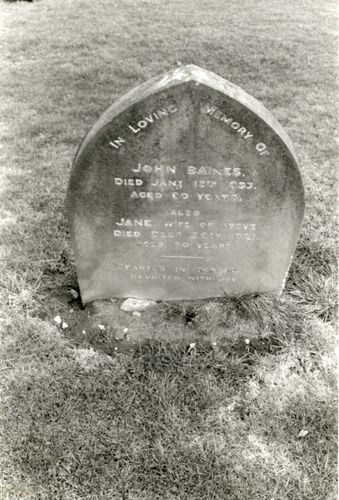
[[186, 188]]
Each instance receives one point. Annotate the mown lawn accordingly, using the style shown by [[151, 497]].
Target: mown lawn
[[249, 417]]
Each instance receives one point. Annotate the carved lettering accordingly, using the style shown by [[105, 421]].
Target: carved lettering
[[118, 181], [158, 169], [151, 118], [134, 222]]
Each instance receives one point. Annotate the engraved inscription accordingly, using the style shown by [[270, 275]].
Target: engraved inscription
[[152, 118], [148, 272], [183, 234], [169, 182], [209, 110], [185, 229]]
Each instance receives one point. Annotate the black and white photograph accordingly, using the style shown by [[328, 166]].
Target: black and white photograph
[[168, 249]]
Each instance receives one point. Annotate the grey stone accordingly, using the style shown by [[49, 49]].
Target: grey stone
[[186, 188], [131, 305], [74, 293]]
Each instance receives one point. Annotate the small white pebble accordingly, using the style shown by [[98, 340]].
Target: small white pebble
[[71, 310], [83, 331], [247, 341], [214, 344], [231, 406], [74, 293], [136, 313], [192, 346], [115, 348], [303, 433], [101, 327], [57, 320], [64, 325], [125, 330]]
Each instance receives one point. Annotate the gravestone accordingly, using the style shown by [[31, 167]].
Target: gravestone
[[186, 188]]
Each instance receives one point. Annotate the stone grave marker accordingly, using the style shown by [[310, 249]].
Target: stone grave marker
[[186, 188]]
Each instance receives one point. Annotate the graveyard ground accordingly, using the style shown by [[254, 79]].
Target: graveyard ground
[[250, 417]]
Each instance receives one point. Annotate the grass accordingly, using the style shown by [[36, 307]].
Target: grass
[[215, 413]]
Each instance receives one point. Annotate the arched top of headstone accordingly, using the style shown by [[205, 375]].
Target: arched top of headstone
[[185, 188], [189, 73]]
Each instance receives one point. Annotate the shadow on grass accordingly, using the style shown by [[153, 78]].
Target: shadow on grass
[[168, 418]]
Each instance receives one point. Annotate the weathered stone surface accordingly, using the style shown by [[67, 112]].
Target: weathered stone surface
[[186, 188]]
